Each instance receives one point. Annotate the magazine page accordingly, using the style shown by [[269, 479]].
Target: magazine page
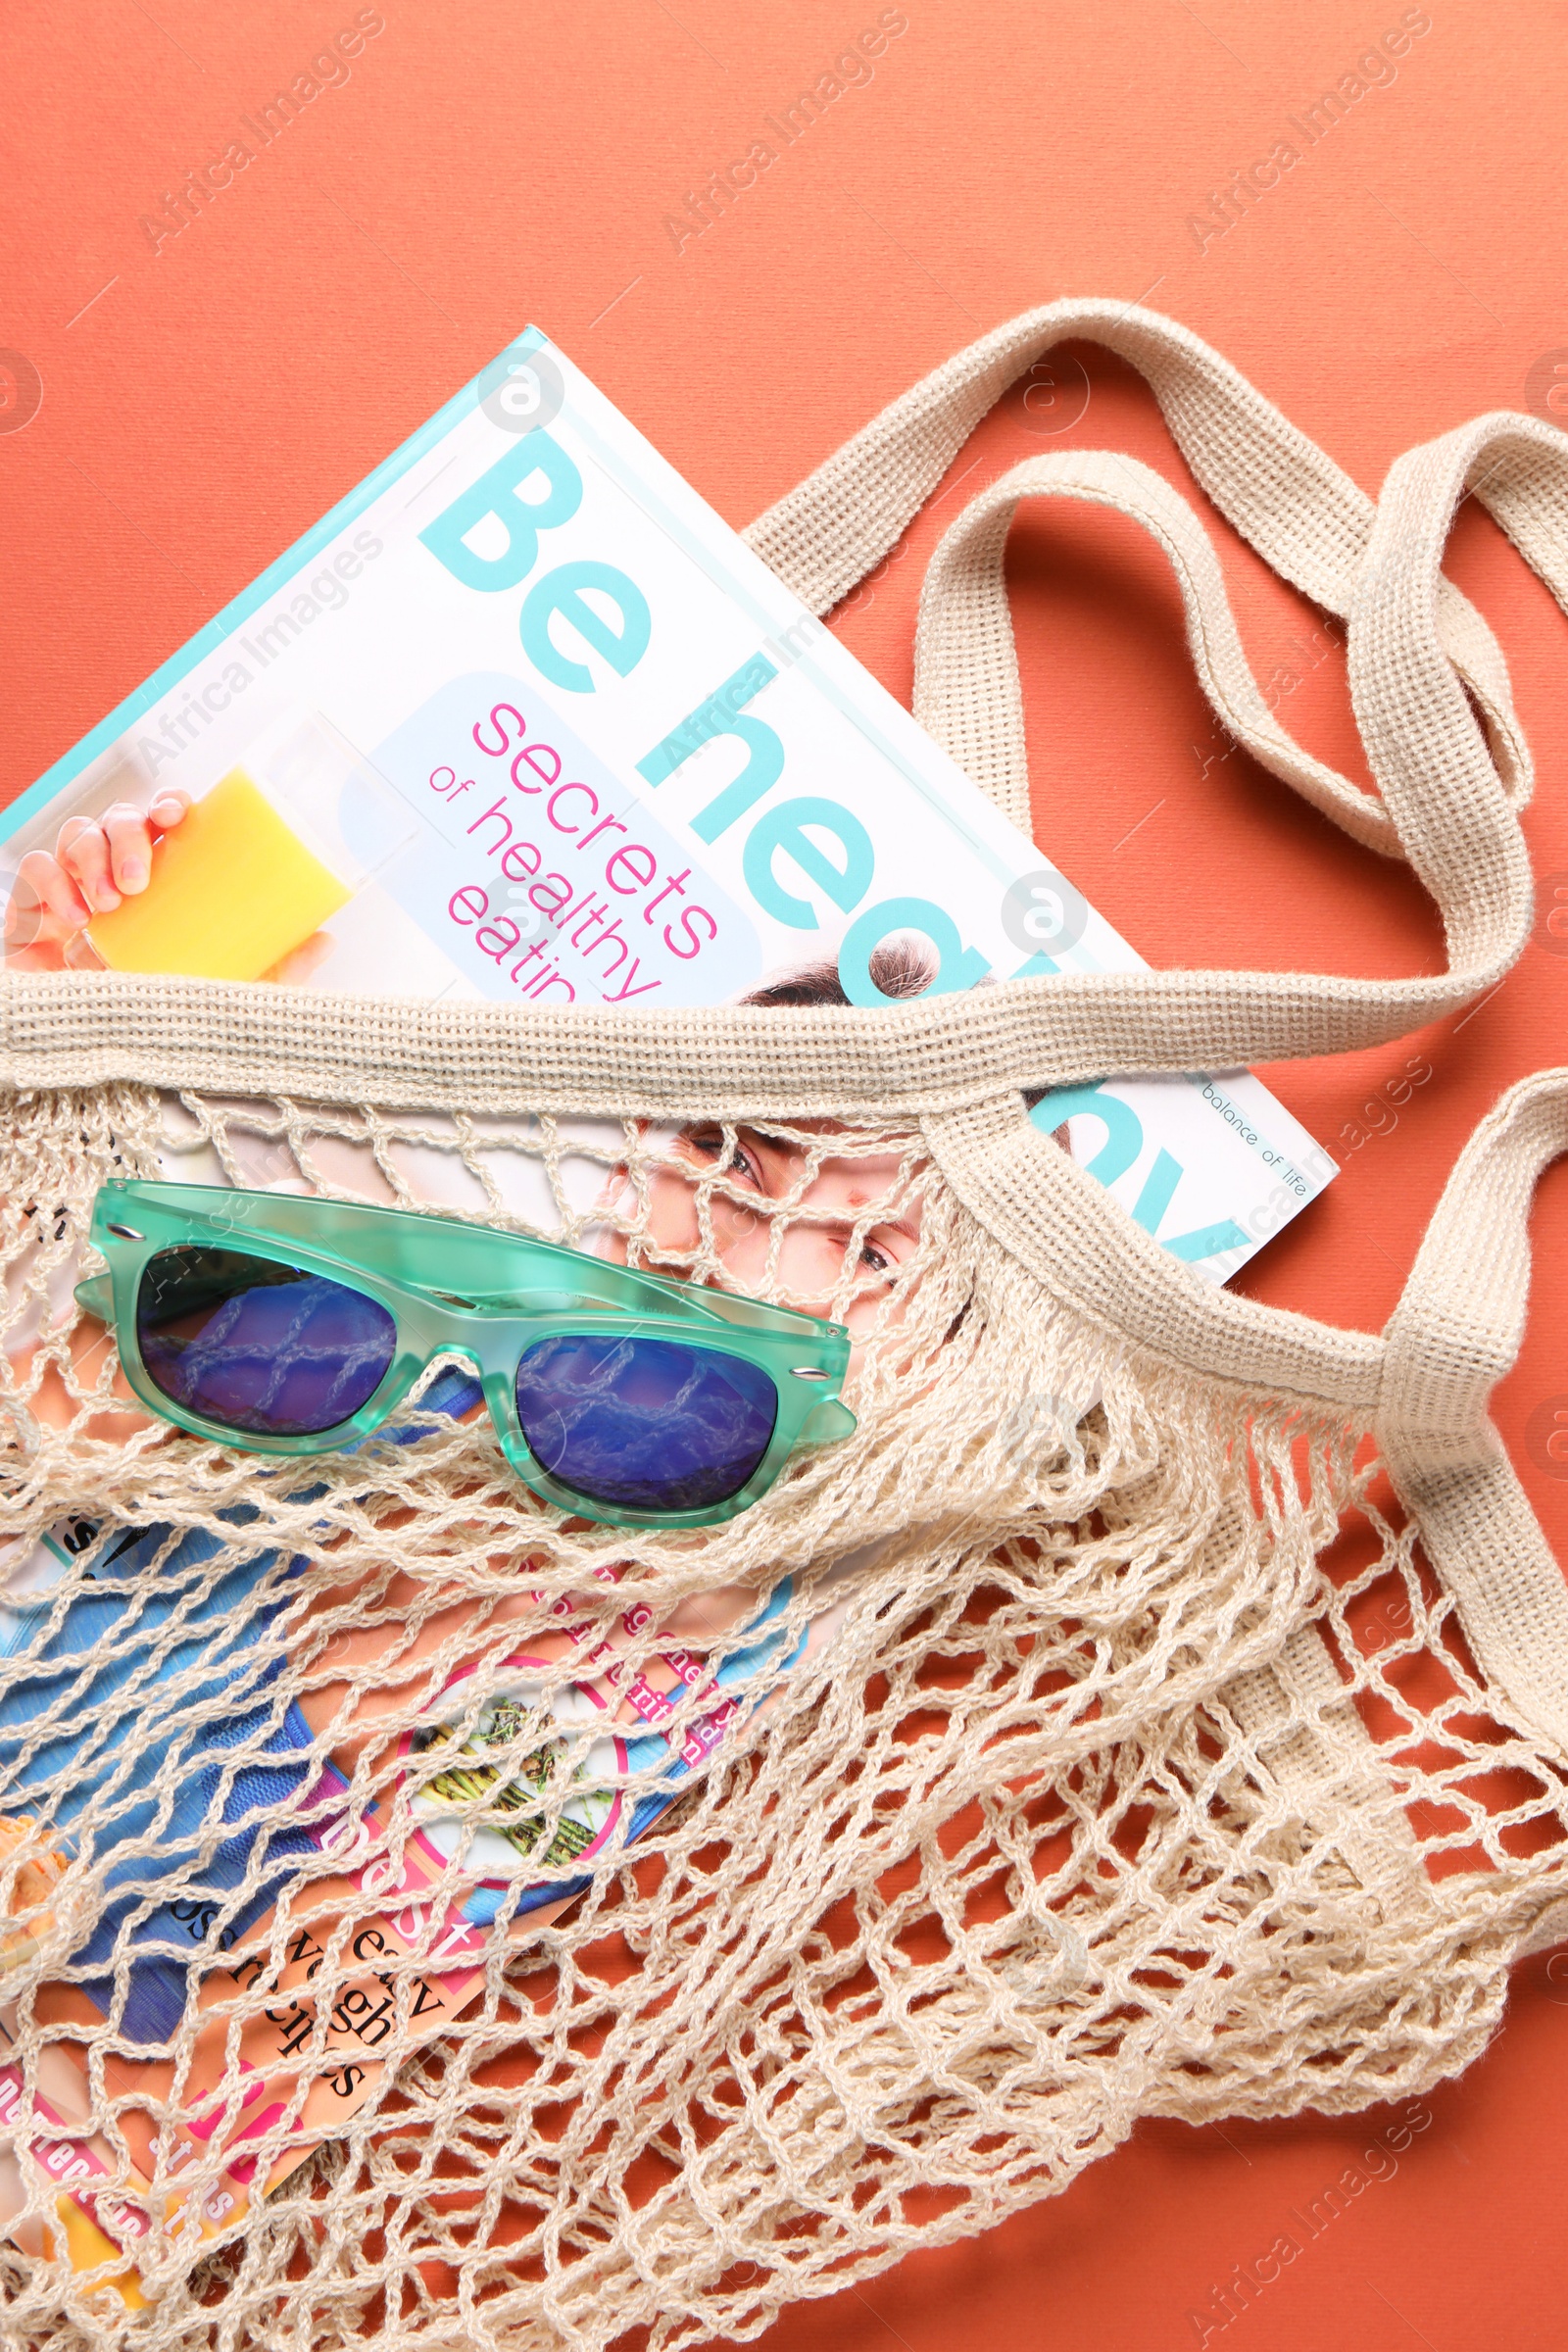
[[626, 1738]]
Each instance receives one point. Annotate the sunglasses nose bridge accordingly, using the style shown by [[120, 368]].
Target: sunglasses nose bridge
[[489, 1343]]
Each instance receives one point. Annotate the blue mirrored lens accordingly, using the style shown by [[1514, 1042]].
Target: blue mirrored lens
[[254, 1344], [648, 1425]]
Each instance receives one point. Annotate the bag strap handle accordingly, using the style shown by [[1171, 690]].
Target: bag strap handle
[[1430, 758], [1285, 497], [1445, 806], [1454, 1334], [967, 692], [1446, 798]]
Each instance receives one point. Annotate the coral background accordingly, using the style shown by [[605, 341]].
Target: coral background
[[484, 165]]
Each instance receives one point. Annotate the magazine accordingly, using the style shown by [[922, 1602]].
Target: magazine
[[521, 721], [317, 2061]]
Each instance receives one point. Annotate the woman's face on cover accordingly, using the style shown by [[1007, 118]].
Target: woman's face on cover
[[810, 1267]]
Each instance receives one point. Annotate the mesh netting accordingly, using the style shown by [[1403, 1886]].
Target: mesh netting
[[435, 1919]]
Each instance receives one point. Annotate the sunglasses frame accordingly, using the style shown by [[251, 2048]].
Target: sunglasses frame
[[473, 1291]]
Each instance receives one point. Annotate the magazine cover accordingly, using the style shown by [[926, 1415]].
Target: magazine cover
[[522, 720]]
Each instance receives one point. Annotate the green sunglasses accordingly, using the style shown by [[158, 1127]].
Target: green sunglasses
[[290, 1325]]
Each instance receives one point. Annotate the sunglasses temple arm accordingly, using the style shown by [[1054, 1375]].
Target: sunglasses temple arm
[[96, 1297], [831, 1419]]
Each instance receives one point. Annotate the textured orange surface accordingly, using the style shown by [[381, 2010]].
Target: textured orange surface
[[206, 394]]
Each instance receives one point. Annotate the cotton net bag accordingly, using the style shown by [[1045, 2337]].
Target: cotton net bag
[[1033, 1670]]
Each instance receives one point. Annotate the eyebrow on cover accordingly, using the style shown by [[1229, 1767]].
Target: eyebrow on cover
[[769, 1151]]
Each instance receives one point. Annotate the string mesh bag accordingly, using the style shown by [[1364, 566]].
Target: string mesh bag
[[1379, 1816], [1349, 1849], [371, 1989]]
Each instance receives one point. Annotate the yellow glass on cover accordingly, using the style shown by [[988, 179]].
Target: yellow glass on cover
[[233, 890]]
